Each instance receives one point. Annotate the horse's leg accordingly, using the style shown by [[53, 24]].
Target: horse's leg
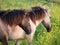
[[30, 42], [17, 42], [30, 38], [5, 41]]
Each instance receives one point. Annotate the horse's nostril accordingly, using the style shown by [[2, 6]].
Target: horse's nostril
[[28, 31], [49, 29]]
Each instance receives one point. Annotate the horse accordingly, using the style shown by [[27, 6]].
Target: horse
[[37, 15], [9, 19], [18, 17]]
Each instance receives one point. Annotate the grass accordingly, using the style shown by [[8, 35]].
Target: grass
[[41, 37]]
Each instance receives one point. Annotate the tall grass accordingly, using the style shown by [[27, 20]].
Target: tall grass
[[41, 37]]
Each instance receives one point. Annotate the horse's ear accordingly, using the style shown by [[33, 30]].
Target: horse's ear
[[33, 8], [47, 10], [36, 8]]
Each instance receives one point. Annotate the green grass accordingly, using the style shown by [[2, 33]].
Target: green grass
[[41, 37]]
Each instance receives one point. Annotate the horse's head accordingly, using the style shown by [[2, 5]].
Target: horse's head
[[46, 21], [42, 15]]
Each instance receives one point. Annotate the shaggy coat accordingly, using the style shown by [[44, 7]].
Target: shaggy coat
[[16, 17], [19, 23]]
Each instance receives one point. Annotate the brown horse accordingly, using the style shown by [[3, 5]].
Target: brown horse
[[36, 15], [9, 19], [15, 30], [14, 17]]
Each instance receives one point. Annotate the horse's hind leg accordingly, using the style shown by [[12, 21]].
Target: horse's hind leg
[[5, 43], [5, 40]]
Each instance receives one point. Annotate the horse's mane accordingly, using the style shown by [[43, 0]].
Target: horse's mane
[[36, 13], [2, 12], [13, 16], [16, 16]]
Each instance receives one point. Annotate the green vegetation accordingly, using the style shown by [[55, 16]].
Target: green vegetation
[[41, 37]]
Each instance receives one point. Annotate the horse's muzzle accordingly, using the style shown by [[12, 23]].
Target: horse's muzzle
[[49, 28], [28, 31]]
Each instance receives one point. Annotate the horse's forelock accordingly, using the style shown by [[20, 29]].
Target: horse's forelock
[[38, 12]]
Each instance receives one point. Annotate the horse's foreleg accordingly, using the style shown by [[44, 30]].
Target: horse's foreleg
[[30, 43], [17, 42], [30, 38]]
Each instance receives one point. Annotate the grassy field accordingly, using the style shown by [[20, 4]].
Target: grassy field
[[41, 37]]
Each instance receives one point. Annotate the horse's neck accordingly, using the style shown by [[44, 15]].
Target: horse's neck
[[37, 23], [33, 25]]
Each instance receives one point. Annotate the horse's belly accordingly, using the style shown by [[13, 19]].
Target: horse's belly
[[17, 34]]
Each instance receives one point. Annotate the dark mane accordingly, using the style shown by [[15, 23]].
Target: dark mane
[[36, 13], [2, 12], [13, 16], [16, 16], [22, 17]]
